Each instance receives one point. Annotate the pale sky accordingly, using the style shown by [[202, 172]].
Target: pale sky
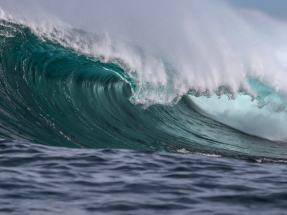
[[275, 8]]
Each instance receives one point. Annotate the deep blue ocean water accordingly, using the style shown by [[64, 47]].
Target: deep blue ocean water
[[37, 179]]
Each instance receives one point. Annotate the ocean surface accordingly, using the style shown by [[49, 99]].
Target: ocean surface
[[37, 179], [115, 113]]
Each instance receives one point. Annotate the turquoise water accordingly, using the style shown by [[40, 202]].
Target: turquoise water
[[53, 95]]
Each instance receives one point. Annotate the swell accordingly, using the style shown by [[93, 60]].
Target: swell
[[50, 94]]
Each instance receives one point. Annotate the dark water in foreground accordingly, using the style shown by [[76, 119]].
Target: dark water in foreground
[[36, 179]]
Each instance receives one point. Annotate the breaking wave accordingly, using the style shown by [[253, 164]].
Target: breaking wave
[[210, 86]]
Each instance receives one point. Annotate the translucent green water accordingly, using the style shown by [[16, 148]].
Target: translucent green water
[[53, 95]]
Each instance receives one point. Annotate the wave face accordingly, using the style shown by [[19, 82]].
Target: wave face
[[63, 86]]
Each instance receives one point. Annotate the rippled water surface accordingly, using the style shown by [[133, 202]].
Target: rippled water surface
[[36, 179]]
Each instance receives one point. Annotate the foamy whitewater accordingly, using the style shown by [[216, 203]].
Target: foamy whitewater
[[195, 75]]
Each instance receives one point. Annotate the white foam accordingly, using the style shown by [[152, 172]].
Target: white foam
[[245, 115], [183, 151], [209, 155]]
